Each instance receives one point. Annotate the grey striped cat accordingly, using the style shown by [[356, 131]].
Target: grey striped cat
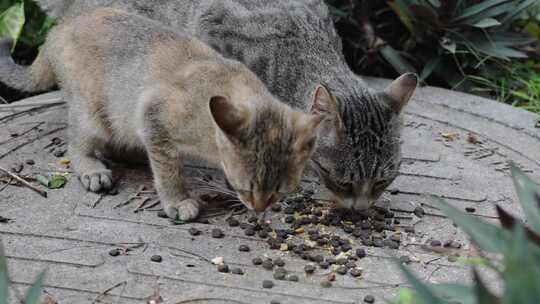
[[293, 47]]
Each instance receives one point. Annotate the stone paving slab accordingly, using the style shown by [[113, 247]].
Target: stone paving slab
[[71, 232]]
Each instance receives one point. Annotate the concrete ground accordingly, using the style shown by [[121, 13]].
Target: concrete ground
[[455, 146]]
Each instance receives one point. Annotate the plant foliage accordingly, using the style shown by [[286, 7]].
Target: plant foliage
[[443, 40], [33, 295], [518, 243]]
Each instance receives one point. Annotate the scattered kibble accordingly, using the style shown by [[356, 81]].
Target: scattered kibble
[[419, 211], [30, 162], [217, 233], [470, 209], [114, 252], [309, 269], [355, 272], [292, 278], [233, 222], [369, 299], [405, 259], [267, 264], [224, 268], [279, 262], [435, 243], [280, 274], [244, 248], [257, 261], [156, 258], [342, 270], [237, 271], [194, 231], [267, 284]]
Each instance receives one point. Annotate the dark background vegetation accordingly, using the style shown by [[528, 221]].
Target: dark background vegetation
[[485, 47]]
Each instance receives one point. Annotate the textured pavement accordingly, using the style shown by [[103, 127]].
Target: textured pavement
[[71, 232]]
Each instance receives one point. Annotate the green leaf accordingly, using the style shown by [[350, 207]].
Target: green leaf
[[488, 236], [478, 8], [527, 192], [57, 181], [423, 291], [429, 67], [12, 21], [522, 273], [399, 63], [54, 181], [455, 292], [518, 10], [483, 295], [485, 23], [32, 297], [4, 278]]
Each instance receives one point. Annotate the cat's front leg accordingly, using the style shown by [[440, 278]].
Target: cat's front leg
[[170, 184]]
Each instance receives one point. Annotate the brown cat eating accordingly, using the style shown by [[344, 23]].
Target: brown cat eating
[[133, 83]]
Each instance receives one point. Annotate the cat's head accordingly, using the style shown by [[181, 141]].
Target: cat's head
[[264, 147], [358, 153]]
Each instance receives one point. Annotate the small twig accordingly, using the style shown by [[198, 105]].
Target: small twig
[[128, 201], [31, 141], [104, 293], [97, 201], [151, 205], [24, 182], [50, 102]]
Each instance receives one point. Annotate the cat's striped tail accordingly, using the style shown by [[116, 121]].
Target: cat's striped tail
[[37, 77]]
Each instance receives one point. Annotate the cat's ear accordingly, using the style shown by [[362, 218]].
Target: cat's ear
[[228, 117], [401, 90], [323, 102], [308, 131]]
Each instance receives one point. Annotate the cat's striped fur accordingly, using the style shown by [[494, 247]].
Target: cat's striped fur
[[293, 47]]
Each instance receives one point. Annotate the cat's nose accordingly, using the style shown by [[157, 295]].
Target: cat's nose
[[263, 201]]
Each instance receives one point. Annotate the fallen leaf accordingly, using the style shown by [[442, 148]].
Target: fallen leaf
[[450, 136]]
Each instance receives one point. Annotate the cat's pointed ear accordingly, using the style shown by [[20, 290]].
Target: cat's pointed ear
[[401, 90], [323, 102], [309, 126], [228, 117]]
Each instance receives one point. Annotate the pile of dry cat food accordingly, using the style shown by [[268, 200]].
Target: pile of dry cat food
[[320, 235]]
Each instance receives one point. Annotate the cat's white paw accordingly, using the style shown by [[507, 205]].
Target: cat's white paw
[[185, 210], [97, 181]]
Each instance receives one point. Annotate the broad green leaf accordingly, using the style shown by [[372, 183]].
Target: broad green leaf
[[483, 295], [424, 293], [399, 63], [4, 278], [518, 10], [32, 297], [429, 67], [12, 21], [522, 273], [493, 49], [485, 23], [490, 12], [488, 236], [478, 8], [511, 39], [57, 181], [527, 191], [455, 292]]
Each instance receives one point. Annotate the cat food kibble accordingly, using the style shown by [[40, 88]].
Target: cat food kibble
[[217, 233], [435, 243], [114, 252], [280, 274], [243, 248], [223, 268], [369, 299], [237, 271], [267, 264], [233, 222], [470, 209], [162, 214], [194, 231], [267, 284], [405, 259], [156, 258], [419, 211], [361, 253], [279, 262], [342, 270], [309, 269], [257, 261], [249, 232], [355, 272], [292, 278]]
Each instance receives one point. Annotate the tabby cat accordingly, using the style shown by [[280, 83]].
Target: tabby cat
[[132, 82], [293, 47]]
